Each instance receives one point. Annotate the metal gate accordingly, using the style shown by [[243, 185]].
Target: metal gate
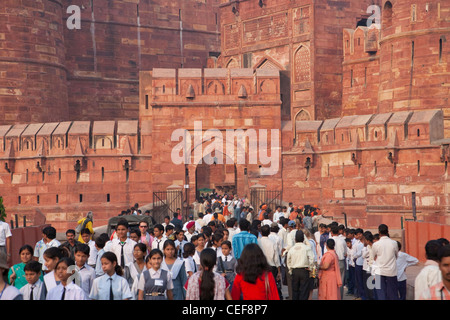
[[165, 203], [272, 198]]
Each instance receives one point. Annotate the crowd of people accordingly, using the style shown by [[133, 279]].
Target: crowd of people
[[226, 250]]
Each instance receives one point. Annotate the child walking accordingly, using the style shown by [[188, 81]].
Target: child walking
[[226, 263], [188, 255], [86, 272], [175, 266], [155, 283], [66, 290], [133, 271], [111, 285], [51, 257], [35, 288]]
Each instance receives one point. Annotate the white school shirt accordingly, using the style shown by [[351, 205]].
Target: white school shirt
[[39, 292], [159, 242], [190, 265], [128, 249], [98, 265], [100, 288], [385, 251], [73, 292], [404, 261], [340, 247], [87, 276], [11, 293], [92, 260], [357, 252]]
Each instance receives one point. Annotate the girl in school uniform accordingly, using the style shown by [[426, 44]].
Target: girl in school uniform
[[188, 257], [175, 266], [133, 271], [111, 285], [207, 284], [51, 258], [66, 290], [201, 243], [155, 283]]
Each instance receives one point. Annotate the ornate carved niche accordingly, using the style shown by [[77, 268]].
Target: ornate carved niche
[[302, 65]]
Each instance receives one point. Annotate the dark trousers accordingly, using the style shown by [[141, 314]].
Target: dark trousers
[[368, 292], [402, 290], [388, 288], [359, 282], [351, 280], [274, 271], [300, 284]]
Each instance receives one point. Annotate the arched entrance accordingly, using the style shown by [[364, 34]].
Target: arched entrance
[[220, 178]]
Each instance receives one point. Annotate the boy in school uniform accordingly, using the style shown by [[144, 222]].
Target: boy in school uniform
[[86, 236], [35, 288], [100, 245], [123, 246], [86, 272], [180, 242], [226, 263]]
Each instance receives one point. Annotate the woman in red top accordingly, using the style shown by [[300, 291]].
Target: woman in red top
[[254, 280]]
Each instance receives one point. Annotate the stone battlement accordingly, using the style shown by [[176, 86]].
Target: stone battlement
[[77, 138], [214, 85], [389, 129], [361, 42]]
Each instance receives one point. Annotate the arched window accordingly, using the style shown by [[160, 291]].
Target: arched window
[[387, 15]]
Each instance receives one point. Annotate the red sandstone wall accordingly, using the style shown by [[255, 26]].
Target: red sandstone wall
[[54, 186], [351, 171], [216, 103], [302, 39], [118, 39], [33, 84], [414, 76]]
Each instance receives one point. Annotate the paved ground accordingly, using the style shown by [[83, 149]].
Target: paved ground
[[411, 274]]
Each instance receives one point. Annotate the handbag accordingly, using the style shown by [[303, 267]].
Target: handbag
[[313, 274]]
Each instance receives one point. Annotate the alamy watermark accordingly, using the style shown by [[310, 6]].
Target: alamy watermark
[[212, 147]]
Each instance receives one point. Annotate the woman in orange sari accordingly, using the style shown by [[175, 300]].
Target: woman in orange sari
[[329, 274]]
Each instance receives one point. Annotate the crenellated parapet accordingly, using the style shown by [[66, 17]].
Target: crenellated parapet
[[214, 86], [43, 142]]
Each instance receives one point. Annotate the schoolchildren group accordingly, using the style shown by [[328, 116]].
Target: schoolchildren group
[[230, 252]]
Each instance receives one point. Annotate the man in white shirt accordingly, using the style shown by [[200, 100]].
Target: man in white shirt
[[340, 249], [5, 240], [277, 214], [430, 274], [385, 252], [207, 217]]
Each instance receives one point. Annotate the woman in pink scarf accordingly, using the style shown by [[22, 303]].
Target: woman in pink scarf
[[329, 274]]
